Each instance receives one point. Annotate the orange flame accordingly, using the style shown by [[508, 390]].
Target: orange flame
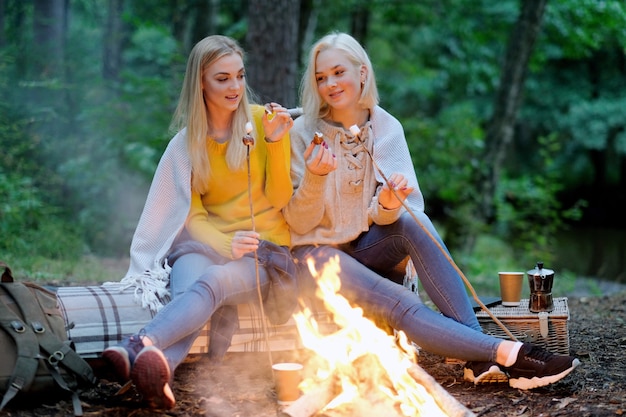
[[365, 359]]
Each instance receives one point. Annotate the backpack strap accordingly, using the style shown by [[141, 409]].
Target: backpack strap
[[27, 350], [58, 351], [31, 339]]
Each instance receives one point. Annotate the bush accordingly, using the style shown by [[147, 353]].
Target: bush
[[30, 226]]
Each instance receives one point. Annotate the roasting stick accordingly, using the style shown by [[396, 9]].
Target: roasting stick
[[248, 140], [354, 129]]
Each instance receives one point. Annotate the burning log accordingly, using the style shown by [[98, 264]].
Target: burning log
[[314, 401], [450, 405]]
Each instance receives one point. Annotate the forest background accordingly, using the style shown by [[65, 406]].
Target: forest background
[[514, 111]]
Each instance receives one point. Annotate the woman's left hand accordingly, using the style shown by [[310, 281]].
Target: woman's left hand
[[277, 123], [244, 242], [387, 198]]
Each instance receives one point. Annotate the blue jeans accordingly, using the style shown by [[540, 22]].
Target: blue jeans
[[203, 289], [453, 333]]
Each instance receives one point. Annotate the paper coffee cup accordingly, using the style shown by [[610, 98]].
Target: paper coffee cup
[[287, 377], [511, 288]]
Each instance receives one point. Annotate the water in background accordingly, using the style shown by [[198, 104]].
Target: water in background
[[593, 252]]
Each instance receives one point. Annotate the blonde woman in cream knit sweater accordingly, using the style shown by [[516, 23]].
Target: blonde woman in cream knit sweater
[[196, 237], [343, 207]]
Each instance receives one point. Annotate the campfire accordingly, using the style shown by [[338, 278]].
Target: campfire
[[361, 370]]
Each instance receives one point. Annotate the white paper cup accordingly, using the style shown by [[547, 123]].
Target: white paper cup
[[287, 377]]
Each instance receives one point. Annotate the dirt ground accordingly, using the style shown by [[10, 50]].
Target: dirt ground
[[242, 385]]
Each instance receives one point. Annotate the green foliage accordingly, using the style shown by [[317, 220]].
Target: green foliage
[[30, 225], [152, 51], [86, 270], [127, 125], [20, 205], [576, 29], [446, 152], [528, 210], [145, 103], [590, 123], [31, 220], [489, 255]]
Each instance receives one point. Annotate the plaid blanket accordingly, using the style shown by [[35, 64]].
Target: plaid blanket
[[97, 317]]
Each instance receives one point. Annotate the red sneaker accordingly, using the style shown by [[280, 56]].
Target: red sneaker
[[151, 375]]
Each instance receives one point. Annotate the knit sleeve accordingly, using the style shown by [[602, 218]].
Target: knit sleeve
[[391, 153], [278, 187], [380, 215], [306, 208]]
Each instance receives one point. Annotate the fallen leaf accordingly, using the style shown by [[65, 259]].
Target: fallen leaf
[[564, 402]]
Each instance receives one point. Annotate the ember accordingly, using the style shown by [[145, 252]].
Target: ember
[[361, 370]]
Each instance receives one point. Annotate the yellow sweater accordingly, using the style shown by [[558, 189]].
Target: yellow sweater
[[215, 216]]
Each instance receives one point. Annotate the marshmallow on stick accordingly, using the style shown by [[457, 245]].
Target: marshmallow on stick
[[318, 138], [248, 139], [270, 112]]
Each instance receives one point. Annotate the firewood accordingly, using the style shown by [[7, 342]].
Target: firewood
[[450, 405], [313, 401]]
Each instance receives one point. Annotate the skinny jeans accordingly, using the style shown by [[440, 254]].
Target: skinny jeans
[[455, 332], [202, 290]]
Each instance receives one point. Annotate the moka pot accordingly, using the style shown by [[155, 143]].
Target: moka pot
[[540, 280]]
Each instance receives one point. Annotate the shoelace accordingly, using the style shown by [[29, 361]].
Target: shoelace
[[538, 354]]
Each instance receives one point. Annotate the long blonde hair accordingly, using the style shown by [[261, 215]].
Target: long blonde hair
[[312, 104], [191, 112]]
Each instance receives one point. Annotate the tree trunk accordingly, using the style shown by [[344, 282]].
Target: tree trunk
[[272, 48], [16, 20], [508, 99], [359, 22], [3, 40], [113, 39], [49, 27], [308, 23], [48, 65], [205, 18]]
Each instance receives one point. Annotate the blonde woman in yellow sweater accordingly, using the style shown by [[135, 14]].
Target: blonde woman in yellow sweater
[[197, 237]]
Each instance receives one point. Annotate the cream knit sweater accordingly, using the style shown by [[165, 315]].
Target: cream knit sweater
[[338, 207]]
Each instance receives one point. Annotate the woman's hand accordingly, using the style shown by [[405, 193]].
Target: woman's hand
[[387, 198], [244, 242], [323, 161], [276, 122]]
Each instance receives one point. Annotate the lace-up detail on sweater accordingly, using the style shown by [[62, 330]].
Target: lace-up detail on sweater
[[345, 201], [355, 155]]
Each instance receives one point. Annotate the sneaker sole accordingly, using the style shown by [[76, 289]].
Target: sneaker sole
[[493, 376], [536, 382], [151, 375], [118, 358]]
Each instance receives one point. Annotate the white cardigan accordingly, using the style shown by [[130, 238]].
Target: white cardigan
[[162, 219]]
